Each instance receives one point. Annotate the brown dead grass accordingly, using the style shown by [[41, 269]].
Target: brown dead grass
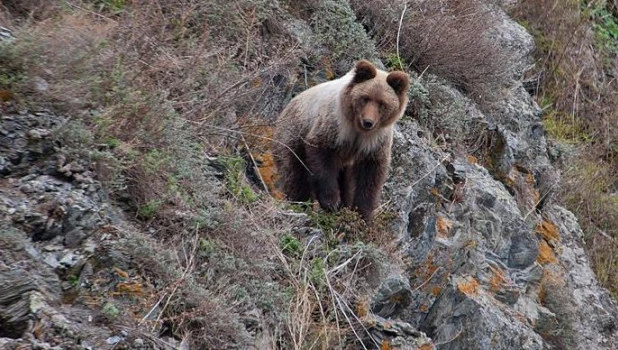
[[447, 38]]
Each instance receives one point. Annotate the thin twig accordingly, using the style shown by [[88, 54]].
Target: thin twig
[[430, 171], [257, 169], [427, 280], [405, 6], [540, 199], [450, 340], [186, 271], [152, 309]]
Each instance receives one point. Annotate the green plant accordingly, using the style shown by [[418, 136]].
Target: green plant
[[73, 280], [290, 245], [208, 248], [111, 310], [605, 28], [395, 62], [317, 272], [234, 175], [149, 210], [113, 6]]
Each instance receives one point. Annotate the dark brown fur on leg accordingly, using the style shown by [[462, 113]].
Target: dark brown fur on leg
[[370, 176], [325, 166], [294, 176], [347, 184]]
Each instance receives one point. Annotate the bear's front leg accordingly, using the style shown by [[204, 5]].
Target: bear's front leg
[[370, 176], [325, 166]]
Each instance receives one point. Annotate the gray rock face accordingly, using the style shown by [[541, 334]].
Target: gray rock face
[[492, 265], [479, 269], [46, 218], [490, 261]]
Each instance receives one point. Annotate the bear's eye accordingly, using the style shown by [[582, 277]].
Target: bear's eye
[[364, 100]]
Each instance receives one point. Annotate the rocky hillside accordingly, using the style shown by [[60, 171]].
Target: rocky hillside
[[138, 201]]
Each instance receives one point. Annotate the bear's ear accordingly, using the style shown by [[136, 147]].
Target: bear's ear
[[363, 71], [399, 81]]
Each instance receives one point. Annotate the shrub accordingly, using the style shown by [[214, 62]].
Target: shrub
[[448, 38]]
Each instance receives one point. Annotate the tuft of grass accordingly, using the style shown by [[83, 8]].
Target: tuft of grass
[[149, 210], [289, 245], [450, 39], [234, 176]]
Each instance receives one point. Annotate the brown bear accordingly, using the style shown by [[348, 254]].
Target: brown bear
[[333, 141]]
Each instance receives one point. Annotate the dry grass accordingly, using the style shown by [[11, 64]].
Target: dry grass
[[448, 38], [168, 94], [573, 83]]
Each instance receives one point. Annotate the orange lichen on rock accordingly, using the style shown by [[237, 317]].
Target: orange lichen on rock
[[258, 137], [129, 288], [548, 230], [542, 294], [472, 159], [497, 278], [443, 226], [435, 291], [546, 254], [266, 167], [362, 307], [424, 308], [426, 346], [428, 268], [121, 272], [530, 179], [386, 345], [469, 287], [5, 95]]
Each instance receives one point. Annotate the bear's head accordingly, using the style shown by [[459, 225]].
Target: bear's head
[[374, 99]]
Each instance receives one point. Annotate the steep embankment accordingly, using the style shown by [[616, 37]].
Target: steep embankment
[[133, 214]]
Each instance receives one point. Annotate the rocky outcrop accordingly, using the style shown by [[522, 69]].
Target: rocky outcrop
[[488, 259], [493, 265]]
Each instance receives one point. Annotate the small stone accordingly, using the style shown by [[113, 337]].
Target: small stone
[[393, 296], [52, 248], [70, 259], [37, 302], [138, 343], [27, 188], [34, 134], [51, 260], [40, 84], [33, 252], [90, 247], [113, 340], [74, 237]]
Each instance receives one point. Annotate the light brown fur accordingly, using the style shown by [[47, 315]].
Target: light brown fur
[[333, 141]]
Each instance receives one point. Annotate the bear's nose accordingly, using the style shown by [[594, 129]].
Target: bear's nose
[[367, 124]]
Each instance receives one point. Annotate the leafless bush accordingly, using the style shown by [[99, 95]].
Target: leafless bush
[[448, 38]]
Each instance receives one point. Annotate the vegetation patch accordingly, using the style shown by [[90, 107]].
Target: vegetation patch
[[576, 51]]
